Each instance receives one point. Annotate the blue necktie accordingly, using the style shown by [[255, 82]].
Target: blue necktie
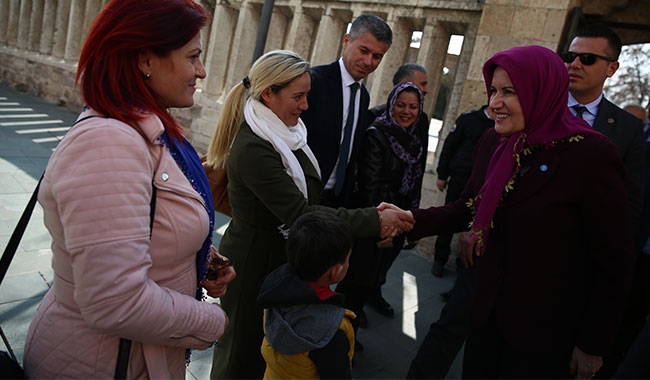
[[344, 152]]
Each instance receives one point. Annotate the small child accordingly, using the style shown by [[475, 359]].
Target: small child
[[308, 332]]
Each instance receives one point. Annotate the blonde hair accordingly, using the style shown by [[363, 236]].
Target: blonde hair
[[275, 69]]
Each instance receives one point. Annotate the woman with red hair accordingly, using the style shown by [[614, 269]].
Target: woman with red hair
[[128, 206]]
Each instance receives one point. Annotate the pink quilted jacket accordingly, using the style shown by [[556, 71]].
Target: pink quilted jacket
[[110, 279]]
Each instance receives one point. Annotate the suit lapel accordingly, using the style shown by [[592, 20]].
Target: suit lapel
[[335, 89], [605, 119]]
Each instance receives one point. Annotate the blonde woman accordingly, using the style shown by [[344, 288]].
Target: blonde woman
[[273, 179]]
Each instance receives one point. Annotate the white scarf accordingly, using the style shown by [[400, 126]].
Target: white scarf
[[268, 126]]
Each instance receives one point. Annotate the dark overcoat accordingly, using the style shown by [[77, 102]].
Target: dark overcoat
[[559, 257]]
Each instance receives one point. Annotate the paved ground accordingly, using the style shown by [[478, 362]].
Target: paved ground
[[30, 129]]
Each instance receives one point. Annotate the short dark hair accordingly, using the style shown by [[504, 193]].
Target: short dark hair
[[406, 70], [317, 241], [374, 25], [596, 30]]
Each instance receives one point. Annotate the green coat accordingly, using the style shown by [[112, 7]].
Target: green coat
[[263, 199]]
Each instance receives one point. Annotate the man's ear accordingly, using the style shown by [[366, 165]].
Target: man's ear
[[346, 40], [613, 66], [144, 62]]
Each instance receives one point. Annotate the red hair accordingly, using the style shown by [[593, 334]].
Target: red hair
[[111, 82]]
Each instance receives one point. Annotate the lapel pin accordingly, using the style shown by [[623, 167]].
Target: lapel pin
[[165, 176], [610, 120], [543, 167]]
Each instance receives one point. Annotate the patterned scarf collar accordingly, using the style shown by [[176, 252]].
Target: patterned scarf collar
[[188, 161], [404, 142]]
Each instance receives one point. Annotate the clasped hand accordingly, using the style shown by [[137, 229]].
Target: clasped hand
[[394, 220], [467, 248], [584, 365], [217, 287]]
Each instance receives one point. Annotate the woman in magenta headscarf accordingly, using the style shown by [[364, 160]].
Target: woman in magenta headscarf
[[546, 206]]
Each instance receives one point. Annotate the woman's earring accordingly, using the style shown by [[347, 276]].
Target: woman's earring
[[147, 75]]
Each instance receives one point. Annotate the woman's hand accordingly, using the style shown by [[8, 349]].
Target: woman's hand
[[441, 184], [583, 365], [385, 243], [221, 273], [394, 220], [467, 247]]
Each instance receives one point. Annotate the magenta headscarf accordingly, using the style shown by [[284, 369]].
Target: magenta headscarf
[[541, 81]]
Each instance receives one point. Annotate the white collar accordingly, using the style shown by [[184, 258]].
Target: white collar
[[592, 106], [346, 78]]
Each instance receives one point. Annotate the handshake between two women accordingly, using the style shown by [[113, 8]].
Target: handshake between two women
[[394, 221]]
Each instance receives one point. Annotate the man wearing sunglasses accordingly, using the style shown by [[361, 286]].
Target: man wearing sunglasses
[[592, 57]]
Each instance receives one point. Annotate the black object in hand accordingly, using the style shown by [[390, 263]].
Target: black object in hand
[[217, 264]]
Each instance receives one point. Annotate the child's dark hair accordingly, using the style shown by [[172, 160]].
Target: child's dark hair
[[317, 241]]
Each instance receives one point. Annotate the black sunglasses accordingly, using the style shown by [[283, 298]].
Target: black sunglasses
[[586, 59]]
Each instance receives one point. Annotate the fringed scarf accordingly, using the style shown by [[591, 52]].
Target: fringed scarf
[[404, 142]]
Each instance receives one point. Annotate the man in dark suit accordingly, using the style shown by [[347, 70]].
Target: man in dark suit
[[591, 59], [338, 103], [329, 102]]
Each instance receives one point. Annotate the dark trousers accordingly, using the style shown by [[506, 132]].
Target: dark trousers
[[634, 317], [447, 335], [455, 187], [489, 356], [636, 364], [368, 269], [387, 258], [361, 279]]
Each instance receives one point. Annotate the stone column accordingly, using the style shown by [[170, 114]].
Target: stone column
[[277, 31], [382, 78], [22, 40], [454, 108], [93, 7], [75, 30], [301, 33], [433, 51], [218, 51], [245, 36], [5, 11], [47, 31], [327, 46], [13, 23], [35, 25], [508, 23], [60, 37]]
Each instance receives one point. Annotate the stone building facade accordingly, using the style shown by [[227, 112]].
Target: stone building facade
[[40, 41]]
